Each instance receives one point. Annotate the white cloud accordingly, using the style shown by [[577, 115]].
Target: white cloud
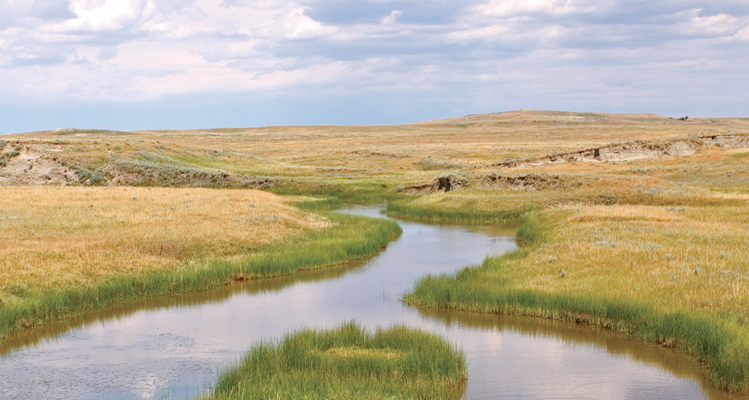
[[505, 8], [300, 26], [392, 18], [100, 15], [743, 34], [721, 24]]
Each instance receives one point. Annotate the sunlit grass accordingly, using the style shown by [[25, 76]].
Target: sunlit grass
[[72, 237], [33, 295]]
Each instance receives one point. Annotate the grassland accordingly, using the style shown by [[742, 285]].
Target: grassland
[[673, 277], [78, 236], [650, 241], [107, 245], [652, 247], [348, 363]]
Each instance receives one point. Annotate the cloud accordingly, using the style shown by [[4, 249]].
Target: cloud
[[392, 18], [414, 12], [459, 53], [105, 15], [51, 10]]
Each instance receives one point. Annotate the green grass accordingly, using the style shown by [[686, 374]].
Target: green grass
[[532, 228], [364, 193], [329, 203], [352, 237], [409, 212], [719, 343], [348, 363]]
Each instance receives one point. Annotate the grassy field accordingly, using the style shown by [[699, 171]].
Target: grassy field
[[635, 222], [654, 247], [673, 277], [348, 363], [107, 245], [323, 156], [78, 236]]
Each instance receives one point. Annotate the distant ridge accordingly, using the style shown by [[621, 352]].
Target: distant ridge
[[543, 116]]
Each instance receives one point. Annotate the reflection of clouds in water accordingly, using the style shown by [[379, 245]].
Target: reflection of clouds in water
[[145, 386], [176, 351], [509, 364]]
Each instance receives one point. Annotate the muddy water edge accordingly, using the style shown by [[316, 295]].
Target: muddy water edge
[[174, 346]]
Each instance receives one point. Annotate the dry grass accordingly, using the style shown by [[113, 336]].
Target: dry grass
[[356, 352], [693, 258], [63, 237], [396, 153]]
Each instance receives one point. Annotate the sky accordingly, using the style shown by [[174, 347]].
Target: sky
[[158, 64]]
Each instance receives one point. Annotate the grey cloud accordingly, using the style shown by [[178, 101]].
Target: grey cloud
[[51, 10], [416, 47], [346, 12]]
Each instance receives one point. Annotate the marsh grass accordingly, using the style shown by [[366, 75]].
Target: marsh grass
[[363, 192], [347, 363], [406, 211], [718, 343], [531, 230], [349, 237]]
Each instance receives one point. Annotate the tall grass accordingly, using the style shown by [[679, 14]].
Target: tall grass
[[348, 363], [406, 211], [329, 203], [531, 229], [363, 192], [352, 237]]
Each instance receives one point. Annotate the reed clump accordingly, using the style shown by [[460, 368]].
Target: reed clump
[[347, 362]]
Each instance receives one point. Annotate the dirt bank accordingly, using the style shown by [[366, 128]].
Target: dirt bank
[[633, 151]]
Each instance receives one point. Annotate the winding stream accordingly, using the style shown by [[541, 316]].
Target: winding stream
[[174, 346]]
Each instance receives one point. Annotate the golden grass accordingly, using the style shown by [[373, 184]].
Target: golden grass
[[356, 352], [694, 258], [74, 236], [391, 152]]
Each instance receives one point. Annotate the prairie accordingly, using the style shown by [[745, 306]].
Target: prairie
[[65, 250], [78, 236], [634, 222]]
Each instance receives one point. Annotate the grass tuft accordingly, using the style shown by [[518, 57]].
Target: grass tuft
[[347, 363], [531, 230]]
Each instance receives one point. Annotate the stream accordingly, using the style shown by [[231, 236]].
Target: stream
[[173, 347]]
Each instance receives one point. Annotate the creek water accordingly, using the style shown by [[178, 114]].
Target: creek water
[[174, 346]]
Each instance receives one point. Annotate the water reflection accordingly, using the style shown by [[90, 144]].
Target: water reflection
[[174, 345], [48, 333], [656, 373]]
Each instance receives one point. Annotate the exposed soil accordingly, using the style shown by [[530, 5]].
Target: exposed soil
[[35, 165], [633, 151], [441, 184], [40, 165], [530, 182]]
